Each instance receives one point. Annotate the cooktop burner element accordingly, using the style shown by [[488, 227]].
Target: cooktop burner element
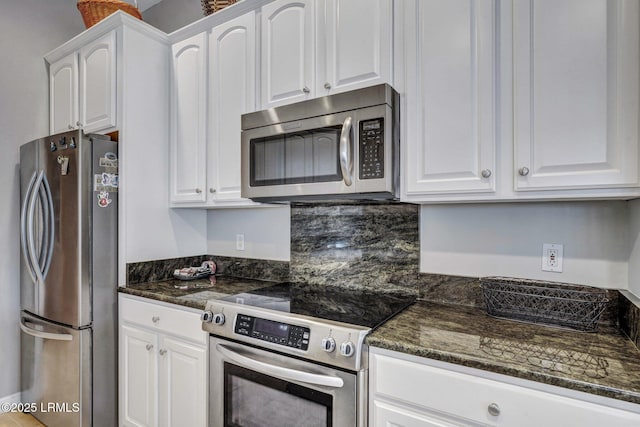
[[324, 324]]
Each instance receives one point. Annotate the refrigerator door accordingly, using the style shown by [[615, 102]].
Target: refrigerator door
[[57, 199], [56, 372]]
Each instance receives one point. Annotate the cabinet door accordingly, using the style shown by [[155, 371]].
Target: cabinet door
[[450, 59], [98, 84], [188, 120], [183, 384], [358, 37], [386, 415], [63, 94], [138, 376], [288, 51], [232, 75], [576, 93]]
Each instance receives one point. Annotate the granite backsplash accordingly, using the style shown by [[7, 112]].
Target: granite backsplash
[[340, 244]]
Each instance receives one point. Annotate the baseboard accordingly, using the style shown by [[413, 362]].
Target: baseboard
[[12, 398]]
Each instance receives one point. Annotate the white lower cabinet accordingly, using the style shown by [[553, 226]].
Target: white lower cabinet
[[163, 365], [408, 391]]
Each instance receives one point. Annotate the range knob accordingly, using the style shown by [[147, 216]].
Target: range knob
[[328, 344], [347, 349], [206, 316], [218, 319]]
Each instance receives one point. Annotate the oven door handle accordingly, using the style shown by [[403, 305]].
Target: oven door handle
[[279, 371]]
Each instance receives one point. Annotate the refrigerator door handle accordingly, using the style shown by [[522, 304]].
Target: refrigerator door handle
[[48, 237], [30, 230], [42, 334], [23, 226]]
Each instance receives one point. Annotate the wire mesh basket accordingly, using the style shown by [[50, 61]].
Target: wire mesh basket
[[554, 304], [212, 6]]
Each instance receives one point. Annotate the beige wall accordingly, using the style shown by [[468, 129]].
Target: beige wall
[[28, 30]]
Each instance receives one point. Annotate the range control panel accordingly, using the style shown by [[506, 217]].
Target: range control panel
[[371, 149], [274, 332]]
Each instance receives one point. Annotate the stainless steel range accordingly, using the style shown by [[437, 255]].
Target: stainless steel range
[[293, 355]]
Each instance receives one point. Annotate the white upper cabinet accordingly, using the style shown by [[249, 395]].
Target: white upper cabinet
[[288, 52], [82, 88], [63, 94], [188, 120], [313, 48], [232, 77], [576, 93], [450, 143], [357, 35], [98, 84]]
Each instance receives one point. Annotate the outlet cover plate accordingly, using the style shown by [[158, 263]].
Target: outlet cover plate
[[552, 256]]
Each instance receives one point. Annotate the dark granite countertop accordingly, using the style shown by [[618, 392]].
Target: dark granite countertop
[[194, 293], [604, 363]]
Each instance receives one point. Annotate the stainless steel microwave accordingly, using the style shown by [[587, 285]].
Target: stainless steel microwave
[[335, 147]]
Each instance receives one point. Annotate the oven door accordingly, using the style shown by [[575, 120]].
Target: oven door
[[249, 387], [315, 157]]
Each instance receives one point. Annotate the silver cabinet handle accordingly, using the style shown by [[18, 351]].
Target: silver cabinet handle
[[155, 319], [523, 171], [327, 85], [306, 89], [149, 347], [212, 190], [198, 190], [346, 159], [494, 409], [163, 352], [70, 127], [486, 173], [79, 124], [280, 371]]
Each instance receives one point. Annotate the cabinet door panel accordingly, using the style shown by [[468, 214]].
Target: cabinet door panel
[[358, 44], [575, 75], [188, 130], [232, 62], [138, 378], [386, 415], [63, 94], [98, 84], [183, 384], [451, 109], [288, 45]]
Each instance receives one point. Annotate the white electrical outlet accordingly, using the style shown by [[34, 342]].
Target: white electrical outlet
[[552, 257], [240, 242]]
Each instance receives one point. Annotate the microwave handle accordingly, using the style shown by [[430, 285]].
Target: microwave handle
[[346, 151]]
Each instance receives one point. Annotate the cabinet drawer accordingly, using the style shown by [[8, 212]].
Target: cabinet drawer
[[175, 321], [466, 397]]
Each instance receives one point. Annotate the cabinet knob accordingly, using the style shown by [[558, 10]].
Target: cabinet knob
[[163, 352], [306, 89], [155, 319], [198, 190], [494, 409], [149, 347], [327, 85], [70, 127], [486, 173], [523, 171], [212, 190], [79, 124]]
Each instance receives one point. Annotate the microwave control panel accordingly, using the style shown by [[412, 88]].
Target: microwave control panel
[[371, 149], [274, 332]]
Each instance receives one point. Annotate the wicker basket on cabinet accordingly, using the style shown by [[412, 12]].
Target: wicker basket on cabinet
[[94, 11], [212, 6]]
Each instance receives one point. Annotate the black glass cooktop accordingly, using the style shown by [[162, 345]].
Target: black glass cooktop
[[355, 307]]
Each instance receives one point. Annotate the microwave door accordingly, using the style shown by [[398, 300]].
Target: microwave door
[[295, 159]]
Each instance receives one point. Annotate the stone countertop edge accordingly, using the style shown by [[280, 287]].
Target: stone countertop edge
[[426, 330]]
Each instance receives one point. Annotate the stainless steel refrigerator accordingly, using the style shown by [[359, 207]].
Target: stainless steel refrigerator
[[68, 280]]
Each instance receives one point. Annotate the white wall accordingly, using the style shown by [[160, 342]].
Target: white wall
[[28, 30], [266, 232], [634, 243], [506, 240], [170, 15]]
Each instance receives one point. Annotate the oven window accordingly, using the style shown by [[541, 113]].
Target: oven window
[[256, 400], [296, 158]]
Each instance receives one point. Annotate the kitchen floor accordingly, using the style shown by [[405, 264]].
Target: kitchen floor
[[18, 419]]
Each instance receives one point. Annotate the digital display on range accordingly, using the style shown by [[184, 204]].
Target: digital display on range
[[271, 328]]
